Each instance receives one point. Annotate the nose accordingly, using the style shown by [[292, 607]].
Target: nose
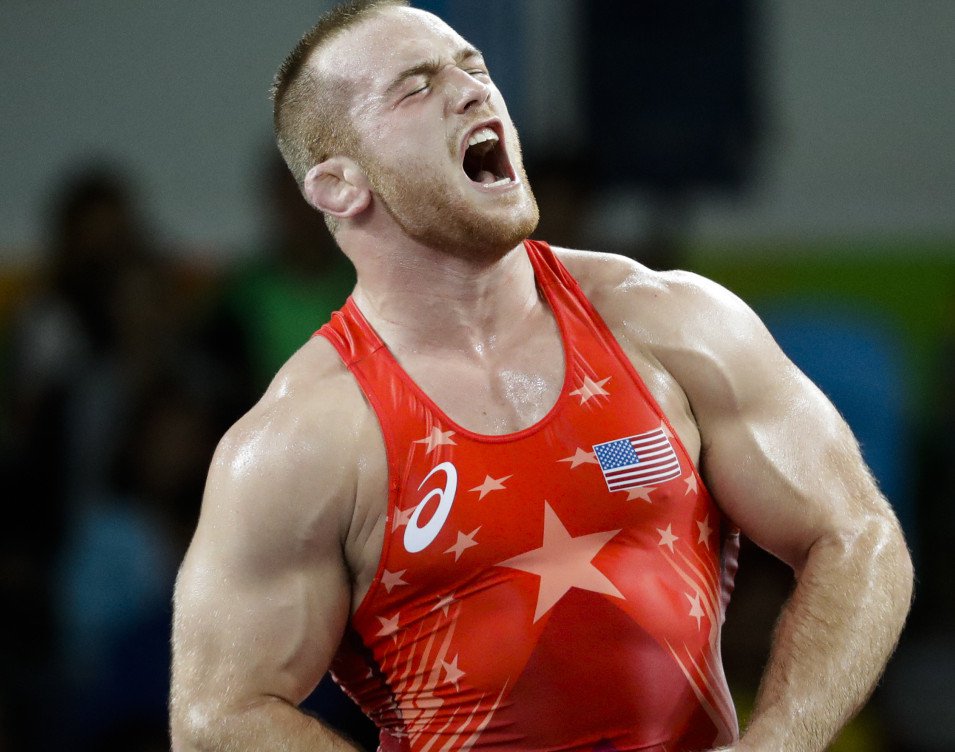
[[467, 91]]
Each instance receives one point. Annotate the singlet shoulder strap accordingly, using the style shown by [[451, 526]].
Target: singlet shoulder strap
[[563, 291], [351, 334], [548, 269]]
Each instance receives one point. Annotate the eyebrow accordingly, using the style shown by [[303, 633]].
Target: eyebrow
[[431, 67]]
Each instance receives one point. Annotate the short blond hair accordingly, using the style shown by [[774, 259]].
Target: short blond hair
[[310, 114]]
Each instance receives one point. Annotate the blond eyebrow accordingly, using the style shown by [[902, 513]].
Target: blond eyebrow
[[431, 67]]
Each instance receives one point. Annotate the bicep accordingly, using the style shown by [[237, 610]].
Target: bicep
[[261, 601], [777, 456], [785, 467]]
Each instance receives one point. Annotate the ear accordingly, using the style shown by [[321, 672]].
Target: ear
[[338, 187]]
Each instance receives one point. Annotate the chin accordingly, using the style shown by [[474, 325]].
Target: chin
[[491, 235], [507, 234], [454, 223]]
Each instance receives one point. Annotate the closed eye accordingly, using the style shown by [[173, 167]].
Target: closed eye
[[416, 91]]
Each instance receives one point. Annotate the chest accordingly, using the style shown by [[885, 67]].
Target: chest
[[499, 388], [525, 537], [424, 487]]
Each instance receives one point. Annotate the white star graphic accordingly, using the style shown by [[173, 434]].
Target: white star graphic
[[402, 517], [667, 538], [437, 438], [691, 485], [463, 543], [581, 457], [491, 484], [452, 674], [705, 530], [444, 602], [564, 562], [392, 579], [590, 389], [696, 608], [642, 493], [388, 627]]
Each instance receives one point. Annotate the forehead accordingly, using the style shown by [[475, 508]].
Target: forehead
[[369, 54]]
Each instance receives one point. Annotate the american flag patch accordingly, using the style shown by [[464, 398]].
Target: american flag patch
[[642, 460]]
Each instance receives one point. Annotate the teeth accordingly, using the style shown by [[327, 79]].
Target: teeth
[[479, 137], [502, 181]]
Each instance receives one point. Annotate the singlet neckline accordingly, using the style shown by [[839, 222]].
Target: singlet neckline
[[569, 360]]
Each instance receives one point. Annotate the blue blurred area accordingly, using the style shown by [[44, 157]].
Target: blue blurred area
[[856, 358]]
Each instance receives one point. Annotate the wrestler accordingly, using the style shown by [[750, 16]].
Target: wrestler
[[499, 494]]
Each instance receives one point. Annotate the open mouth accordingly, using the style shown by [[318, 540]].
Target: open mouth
[[485, 160]]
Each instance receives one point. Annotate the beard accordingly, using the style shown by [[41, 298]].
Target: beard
[[437, 215]]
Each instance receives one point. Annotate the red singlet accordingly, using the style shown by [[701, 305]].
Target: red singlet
[[559, 588]]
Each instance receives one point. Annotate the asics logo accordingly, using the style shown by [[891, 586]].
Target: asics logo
[[417, 537]]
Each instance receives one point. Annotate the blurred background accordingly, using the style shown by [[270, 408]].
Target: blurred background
[[157, 265]]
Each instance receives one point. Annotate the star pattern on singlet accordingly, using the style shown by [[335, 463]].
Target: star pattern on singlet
[[463, 543], [667, 538], [437, 438], [452, 674], [392, 579], [696, 608], [691, 484], [705, 531], [640, 492], [564, 561], [402, 517], [491, 484], [589, 389], [581, 457], [389, 626]]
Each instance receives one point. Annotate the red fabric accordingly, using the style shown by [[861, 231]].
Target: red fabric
[[543, 611]]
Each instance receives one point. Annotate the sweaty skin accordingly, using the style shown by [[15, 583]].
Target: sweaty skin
[[293, 515]]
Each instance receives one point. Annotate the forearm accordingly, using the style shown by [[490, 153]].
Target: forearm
[[833, 639], [272, 725]]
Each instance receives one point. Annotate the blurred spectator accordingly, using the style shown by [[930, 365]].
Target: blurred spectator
[[116, 411], [61, 439], [297, 280], [64, 335], [117, 570]]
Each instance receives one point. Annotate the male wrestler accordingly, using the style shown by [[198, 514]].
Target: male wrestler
[[498, 494]]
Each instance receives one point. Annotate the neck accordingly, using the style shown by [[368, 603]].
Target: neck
[[418, 298]]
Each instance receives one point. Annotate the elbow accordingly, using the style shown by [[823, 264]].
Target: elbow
[[184, 736], [899, 561], [882, 546], [872, 557], [194, 727]]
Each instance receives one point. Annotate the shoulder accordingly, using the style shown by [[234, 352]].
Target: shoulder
[[670, 302], [709, 339], [292, 460]]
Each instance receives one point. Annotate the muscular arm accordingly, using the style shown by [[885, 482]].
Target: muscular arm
[[784, 466], [263, 594]]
